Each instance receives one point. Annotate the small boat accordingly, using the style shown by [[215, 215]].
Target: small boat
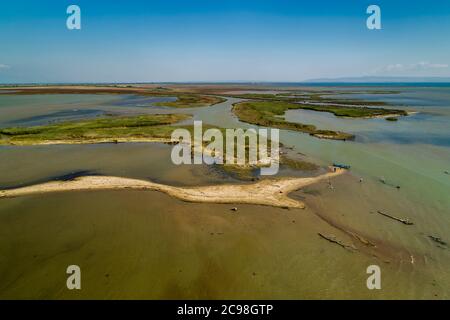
[[342, 166]]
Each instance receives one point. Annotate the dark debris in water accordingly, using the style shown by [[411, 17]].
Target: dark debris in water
[[383, 181], [438, 240]]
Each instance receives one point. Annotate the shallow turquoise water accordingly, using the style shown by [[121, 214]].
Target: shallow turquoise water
[[413, 153], [30, 110]]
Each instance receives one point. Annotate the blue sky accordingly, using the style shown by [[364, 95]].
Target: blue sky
[[221, 40]]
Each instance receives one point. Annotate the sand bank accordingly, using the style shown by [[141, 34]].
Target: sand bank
[[270, 192]]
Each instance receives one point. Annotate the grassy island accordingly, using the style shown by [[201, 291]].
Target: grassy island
[[192, 101], [352, 108], [353, 112], [267, 114], [115, 129], [105, 129]]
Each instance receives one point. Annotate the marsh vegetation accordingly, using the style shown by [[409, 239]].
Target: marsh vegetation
[[269, 114], [104, 129]]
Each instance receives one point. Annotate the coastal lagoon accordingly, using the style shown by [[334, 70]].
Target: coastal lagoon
[[136, 244]]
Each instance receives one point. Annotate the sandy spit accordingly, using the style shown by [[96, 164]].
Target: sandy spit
[[270, 192]]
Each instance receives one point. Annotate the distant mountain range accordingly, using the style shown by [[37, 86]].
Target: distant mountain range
[[381, 79]]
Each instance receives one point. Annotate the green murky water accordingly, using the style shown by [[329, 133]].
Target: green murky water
[[132, 244]]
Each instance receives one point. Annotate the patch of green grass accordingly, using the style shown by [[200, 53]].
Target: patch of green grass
[[192, 101], [341, 107], [324, 96], [266, 114], [353, 112], [319, 98], [354, 108], [105, 128]]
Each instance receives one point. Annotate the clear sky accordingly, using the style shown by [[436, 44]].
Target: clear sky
[[221, 40]]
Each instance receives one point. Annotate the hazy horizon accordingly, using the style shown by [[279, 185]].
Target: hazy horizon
[[210, 41], [340, 80]]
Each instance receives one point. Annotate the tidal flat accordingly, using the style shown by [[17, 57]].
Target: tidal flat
[[146, 244]]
